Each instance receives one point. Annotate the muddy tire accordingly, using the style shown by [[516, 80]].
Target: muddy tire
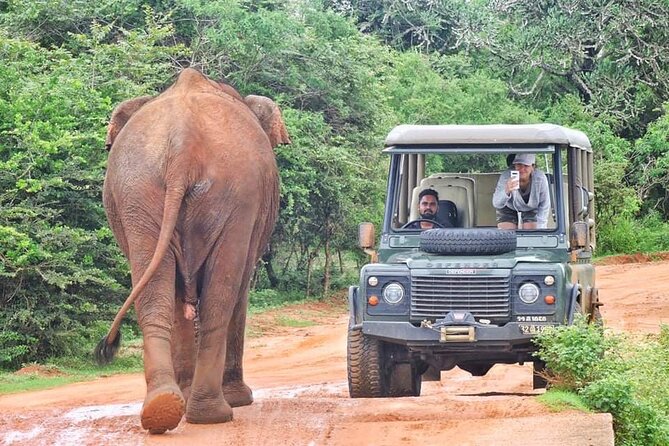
[[596, 317], [539, 380], [483, 241], [429, 373], [365, 364]]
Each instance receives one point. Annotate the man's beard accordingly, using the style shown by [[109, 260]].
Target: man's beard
[[428, 215]]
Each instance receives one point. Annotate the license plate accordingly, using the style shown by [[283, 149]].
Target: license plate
[[532, 328]]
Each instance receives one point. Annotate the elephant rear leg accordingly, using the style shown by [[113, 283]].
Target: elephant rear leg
[[164, 405], [236, 392], [184, 348], [223, 278]]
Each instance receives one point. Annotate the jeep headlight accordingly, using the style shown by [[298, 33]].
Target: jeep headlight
[[393, 293], [528, 293]]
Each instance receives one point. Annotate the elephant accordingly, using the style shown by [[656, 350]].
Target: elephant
[[191, 194]]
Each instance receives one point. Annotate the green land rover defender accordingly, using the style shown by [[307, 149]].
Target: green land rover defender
[[466, 293]]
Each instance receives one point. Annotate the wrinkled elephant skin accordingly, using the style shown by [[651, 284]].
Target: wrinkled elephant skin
[[191, 194]]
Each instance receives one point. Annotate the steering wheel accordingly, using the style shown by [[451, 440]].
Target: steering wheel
[[435, 223]]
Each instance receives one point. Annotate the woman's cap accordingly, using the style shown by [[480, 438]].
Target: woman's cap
[[525, 158]]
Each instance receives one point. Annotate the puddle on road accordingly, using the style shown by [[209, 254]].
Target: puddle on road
[[89, 413], [64, 429], [76, 426], [293, 392], [17, 437]]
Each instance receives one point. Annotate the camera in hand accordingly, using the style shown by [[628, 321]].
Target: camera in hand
[[515, 175]]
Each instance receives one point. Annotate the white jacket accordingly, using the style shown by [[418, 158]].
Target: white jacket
[[539, 200]]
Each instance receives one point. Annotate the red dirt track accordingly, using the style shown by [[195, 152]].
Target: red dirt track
[[298, 376]]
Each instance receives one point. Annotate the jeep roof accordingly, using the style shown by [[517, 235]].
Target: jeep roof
[[485, 135]]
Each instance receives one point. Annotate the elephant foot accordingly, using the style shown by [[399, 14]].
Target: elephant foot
[[163, 409], [237, 394], [209, 411]]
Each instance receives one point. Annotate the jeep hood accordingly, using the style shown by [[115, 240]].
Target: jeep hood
[[423, 260]]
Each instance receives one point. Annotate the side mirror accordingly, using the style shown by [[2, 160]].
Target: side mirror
[[366, 235], [578, 235]]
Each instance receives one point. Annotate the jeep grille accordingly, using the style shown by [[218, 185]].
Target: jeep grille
[[484, 296]]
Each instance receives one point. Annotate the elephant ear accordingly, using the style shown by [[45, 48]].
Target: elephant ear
[[269, 115], [120, 116]]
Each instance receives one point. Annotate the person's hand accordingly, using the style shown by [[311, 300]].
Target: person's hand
[[511, 185]]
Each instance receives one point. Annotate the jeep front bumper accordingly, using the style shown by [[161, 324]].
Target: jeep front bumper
[[513, 334]]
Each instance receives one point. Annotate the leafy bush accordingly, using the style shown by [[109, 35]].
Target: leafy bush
[[270, 298], [619, 236], [576, 355], [612, 373], [624, 235], [60, 269]]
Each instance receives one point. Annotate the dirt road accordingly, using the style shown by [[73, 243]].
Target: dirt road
[[301, 397]]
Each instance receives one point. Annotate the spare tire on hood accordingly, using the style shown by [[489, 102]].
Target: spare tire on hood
[[478, 241]]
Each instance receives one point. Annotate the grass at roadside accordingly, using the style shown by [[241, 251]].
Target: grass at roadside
[[288, 321], [40, 377], [559, 400], [624, 375], [268, 318], [66, 371]]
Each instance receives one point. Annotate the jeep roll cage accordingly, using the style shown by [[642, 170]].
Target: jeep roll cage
[[409, 144]]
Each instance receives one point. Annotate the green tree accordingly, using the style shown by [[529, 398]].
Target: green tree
[[57, 257], [649, 168], [612, 54], [327, 188], [405, 24]]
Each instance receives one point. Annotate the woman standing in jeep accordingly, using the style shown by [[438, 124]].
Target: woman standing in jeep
[[524, 195]]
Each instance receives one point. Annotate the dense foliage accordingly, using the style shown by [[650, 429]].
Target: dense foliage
[[344, 72], [612, 373]]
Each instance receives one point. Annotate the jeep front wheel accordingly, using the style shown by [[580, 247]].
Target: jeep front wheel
[[365, 363]]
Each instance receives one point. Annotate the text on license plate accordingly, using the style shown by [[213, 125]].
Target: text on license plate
[[532, 328]]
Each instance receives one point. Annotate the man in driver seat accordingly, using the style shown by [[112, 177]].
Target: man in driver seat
[[428, 205]]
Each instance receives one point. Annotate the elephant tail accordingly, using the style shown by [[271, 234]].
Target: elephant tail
[[109, 344]]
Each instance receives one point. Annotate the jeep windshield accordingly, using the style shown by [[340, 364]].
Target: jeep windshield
[[461, 183]]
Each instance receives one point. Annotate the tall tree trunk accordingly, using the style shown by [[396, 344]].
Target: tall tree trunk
[[271, 275], [254, 279], [341, 263], [326, 273], [309, 261], [287, 264]]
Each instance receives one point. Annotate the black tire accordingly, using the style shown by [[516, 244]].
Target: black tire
[[596, 317], [430, 374], [482, 241], [365, 364], [539, 372], [404, 380]]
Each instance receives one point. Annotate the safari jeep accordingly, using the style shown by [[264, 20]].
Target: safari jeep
[[471, 295]]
